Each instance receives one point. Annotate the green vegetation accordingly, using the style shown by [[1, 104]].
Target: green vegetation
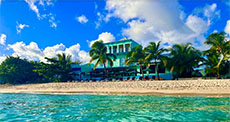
[[218, 54], [57, 69], [14, 70], [184, 58], [99, 54], [20, 71], [154, 52], [137, 55], [181, 60]]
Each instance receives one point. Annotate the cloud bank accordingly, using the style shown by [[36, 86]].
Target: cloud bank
[[33, 52], [150, 20]]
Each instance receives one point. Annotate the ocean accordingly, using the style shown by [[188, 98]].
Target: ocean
[[105, 108]]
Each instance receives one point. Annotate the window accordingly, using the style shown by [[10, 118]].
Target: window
[[127, 48], [121, 49], [114, 49]]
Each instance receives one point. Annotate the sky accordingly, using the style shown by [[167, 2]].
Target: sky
[[34, 29]]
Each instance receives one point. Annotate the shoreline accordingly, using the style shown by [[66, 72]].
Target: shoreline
[[203, 88]]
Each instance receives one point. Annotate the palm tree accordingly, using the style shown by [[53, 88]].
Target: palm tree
[[211, 62], [62, 64], [182, 60], [136, 55], [99, 54], [154, 52], [221, 46]]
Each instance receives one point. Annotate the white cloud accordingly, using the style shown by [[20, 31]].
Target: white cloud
[[33, 52], [33, 4], [84, 56], [2, 58], [45, 2], [100, 18], [105, 37], [197, 24], [215, 31], [52, 21], [19, 27], [227, 28], [3, 39], [150, 20], [82, 19], [33, 7], [77, 54], [53, 51], [209, 12]]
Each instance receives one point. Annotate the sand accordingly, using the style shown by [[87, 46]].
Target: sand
[[200, 87]]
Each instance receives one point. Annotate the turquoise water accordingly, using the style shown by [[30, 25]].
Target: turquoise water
[[45, 108]]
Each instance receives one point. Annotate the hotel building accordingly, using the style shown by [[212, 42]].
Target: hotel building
[[119, 70]]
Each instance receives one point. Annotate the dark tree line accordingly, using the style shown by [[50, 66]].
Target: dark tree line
[[15, 70]]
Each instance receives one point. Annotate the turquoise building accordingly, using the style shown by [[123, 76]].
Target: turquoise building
[[119, 70], [120, 49]]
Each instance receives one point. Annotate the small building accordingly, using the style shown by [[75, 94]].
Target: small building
[[119, 70]]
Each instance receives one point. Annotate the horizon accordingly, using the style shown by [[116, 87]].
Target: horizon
[[35, 29]]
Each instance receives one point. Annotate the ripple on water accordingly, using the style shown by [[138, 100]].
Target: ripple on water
[[38, 107]]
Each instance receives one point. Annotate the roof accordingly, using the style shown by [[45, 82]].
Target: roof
[[121, 41]]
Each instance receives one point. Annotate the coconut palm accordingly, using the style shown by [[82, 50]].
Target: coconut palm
[[220, 46], [154, 52], [183, 59], [137, 55], [99, 54], [211, 62], [62, 64]]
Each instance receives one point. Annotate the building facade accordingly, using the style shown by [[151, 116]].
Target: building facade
[[119, 70], [120, 49]]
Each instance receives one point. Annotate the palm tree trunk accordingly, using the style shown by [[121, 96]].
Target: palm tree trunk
[[156, 68], [105, 70], [142, 71], [218, 73]]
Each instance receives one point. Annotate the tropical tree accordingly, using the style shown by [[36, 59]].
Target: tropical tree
[[99, 54], [46, 72], [182, 60], [154, 52], [56, 69], [221, 48], [137, 55], [14, 70], [211, 61]]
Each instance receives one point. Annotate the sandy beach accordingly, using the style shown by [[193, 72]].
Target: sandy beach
[[216, 88]]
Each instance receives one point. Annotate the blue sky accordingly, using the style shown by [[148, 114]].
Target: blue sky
[[35, 29]]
